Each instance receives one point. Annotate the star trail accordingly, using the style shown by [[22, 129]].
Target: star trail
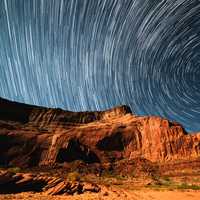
[[94, 54]]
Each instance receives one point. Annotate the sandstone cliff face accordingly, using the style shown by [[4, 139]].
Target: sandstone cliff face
[[32, 136]]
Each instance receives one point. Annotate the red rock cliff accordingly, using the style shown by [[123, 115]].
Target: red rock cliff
[[33, 135]]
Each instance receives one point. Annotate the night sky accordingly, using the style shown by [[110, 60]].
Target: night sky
[[95, 54]]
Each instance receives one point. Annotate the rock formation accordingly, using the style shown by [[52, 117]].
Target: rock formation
[[38, 136], [11, 182]]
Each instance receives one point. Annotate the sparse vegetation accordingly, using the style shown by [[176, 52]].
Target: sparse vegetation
[[167, 183], [14, 169], [74, 176], [155, 177], [188, 186], [166, 178]]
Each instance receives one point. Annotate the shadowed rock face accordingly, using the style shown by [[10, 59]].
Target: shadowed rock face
[[76, 151], [31, 136]]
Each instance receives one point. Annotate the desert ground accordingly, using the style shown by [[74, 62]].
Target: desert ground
[[115, 194], [185, 186]]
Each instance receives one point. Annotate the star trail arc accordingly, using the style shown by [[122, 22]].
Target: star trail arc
[[91, 55]]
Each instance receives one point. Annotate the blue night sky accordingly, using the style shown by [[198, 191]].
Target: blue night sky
[[94, 54]]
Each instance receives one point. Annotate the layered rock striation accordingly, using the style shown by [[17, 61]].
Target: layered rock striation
[[12, 182], [38, 136]]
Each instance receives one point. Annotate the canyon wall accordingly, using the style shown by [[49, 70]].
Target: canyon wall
[[36, 136]]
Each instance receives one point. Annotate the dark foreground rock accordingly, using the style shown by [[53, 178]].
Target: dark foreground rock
[[21, 182]]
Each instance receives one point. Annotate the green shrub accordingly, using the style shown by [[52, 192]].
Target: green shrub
[[73, 176], [14, 169], [187, 186], [167, 178], [155, 177]]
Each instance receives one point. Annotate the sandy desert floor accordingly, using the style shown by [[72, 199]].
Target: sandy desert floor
[[185, 186], [114, 195]]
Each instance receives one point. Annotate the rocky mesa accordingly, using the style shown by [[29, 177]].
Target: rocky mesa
[[38, 136]]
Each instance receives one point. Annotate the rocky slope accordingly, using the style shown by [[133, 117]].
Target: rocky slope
[[11, 182], [38, 136]]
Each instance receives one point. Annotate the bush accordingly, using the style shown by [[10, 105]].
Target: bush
[[167, 178], [187, 186], [73, 176], [14, 169]]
